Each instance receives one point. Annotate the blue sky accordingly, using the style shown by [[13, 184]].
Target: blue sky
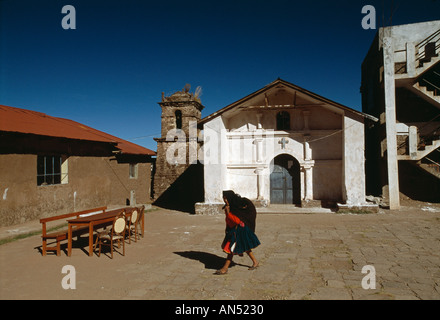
[[110, 71]]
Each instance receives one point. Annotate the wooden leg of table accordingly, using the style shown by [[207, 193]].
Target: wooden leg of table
[[91, 240], [69, 241], [44, 247], [58, 248]]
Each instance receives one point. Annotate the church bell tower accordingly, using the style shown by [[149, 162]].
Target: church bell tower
[[178, 142]]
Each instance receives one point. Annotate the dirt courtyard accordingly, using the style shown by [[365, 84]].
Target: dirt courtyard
[[302, 256]]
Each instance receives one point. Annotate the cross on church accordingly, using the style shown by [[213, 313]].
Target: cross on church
[[283, 143]]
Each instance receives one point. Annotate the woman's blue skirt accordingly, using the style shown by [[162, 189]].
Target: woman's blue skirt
[[239, 240]]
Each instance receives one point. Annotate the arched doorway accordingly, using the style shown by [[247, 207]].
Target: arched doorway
[[285, 184]]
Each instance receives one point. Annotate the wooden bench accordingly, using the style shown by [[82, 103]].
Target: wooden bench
[[62, 234]]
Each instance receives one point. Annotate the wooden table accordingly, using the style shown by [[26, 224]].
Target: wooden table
[[100, 219]]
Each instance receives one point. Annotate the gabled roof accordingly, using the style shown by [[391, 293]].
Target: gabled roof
[[32, 122], [288, 85]]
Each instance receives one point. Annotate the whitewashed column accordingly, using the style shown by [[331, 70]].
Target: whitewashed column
[[308, 183], [259, 146], [307, 150], [260, 183]]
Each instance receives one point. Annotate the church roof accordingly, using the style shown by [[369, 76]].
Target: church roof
[[282, 83]]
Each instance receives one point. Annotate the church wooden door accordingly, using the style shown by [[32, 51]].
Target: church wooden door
[[281, 191], [284, 181]]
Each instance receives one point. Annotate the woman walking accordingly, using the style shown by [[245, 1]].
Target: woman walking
[[240, 229]]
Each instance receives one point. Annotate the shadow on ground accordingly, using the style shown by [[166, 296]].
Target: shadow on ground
[[81, 243], [211, 261], [179, 196]]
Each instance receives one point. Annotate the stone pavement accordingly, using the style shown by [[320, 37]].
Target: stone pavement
[[311, 256]]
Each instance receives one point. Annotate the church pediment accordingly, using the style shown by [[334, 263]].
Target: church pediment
[[281, 95]]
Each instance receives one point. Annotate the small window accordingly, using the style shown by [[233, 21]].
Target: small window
[[178, 115], [133, 170], [51, 170], [283, 120]]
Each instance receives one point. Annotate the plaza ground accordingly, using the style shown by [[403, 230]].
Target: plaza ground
[[311, 256]]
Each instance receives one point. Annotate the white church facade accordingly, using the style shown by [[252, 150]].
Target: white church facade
[[284, 145]]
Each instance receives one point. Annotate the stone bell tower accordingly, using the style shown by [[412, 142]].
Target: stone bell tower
[[178, 145]]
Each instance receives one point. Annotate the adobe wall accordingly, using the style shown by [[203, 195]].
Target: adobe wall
[[92, 182]]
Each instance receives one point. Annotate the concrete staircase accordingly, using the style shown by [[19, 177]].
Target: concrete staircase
[[420, 154], [421, 72], [422, 76], [426, 65], [427, 85], [431, 168], [428, 95]]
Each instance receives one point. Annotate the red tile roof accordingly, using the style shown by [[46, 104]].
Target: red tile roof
[[32, 122]]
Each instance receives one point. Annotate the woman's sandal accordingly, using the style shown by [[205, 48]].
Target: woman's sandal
[[220, 273]]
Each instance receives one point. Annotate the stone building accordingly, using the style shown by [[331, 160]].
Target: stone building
[[401, 87], [51, 166]]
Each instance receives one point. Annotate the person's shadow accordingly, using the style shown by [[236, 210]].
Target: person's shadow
[[211, 261]]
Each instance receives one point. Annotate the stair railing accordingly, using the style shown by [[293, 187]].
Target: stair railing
[[435, 88], [432, 161], [421, 46], [434, 165]]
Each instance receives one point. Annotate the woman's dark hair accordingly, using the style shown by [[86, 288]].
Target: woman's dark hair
[[243, 208], [235, 201]]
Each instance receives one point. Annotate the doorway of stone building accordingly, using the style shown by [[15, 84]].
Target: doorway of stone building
[[285, 184]]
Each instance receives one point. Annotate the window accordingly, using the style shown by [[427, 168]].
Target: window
[[283, 120], [51, 170], [178, 115], [133, 170]]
